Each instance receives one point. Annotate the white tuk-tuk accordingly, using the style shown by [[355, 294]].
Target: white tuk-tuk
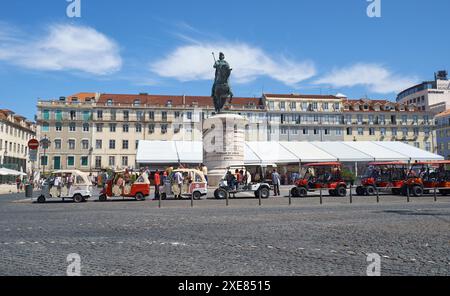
[[194, 185], [80, 190]]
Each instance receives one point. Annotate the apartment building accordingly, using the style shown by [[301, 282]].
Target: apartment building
[[431, 96], [297, 117], [91, 131], [381, 120], [15, 132], [442, 125]]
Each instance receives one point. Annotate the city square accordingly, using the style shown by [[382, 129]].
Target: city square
[[211, 239], [243, 139]]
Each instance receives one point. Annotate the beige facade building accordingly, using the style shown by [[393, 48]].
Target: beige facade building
[[15, 132], [92, 131], [431, 96]]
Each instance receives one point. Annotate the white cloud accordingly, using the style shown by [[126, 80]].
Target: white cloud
[[64, 48], [375, 77], [194, 62]]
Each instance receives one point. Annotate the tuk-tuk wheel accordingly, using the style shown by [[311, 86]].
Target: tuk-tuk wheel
[[102, 198], [163, 196], [220, 194], [139, 196], [41, 199], [78, 198], [197, 195]]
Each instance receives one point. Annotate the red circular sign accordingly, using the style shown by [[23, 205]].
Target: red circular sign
[[33, 144]]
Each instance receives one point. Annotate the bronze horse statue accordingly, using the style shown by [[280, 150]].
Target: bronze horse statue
[[221, 90]]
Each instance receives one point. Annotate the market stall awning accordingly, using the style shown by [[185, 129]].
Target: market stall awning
[[411, 152], [307, 152], [157, 152], [9, 172], [189, 152]]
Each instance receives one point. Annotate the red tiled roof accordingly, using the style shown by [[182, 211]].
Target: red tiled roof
[[300, 96], [81, 96], [162, 100]]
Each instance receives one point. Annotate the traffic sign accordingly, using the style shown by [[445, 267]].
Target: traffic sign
[[33, 155], [45, 143], [33, 144]]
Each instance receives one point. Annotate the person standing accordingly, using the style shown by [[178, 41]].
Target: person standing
[[204, 170], [157, 181], [178, 178], [276, 181], [18, 183]]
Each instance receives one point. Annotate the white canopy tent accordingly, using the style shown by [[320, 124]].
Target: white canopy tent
[[343, 152], [412, 153], [307, 152], [272, 153], [264, 153], [379, 153], [9, 172]]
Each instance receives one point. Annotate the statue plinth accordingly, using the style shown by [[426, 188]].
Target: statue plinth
[[223, 144]]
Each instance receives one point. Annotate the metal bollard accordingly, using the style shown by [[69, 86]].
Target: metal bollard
[[192, 200], [351, 194], [378, 195], [321, 197], [259, 195], [435, 194], [290, 198], [228, 199], [159, 201], [407, 194]]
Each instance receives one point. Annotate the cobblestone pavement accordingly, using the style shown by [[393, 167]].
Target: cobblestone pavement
[[306, 238]]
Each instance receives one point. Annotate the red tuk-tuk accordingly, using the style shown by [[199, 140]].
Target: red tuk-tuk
[[385, 176], [317, 176], [121, 185], [428, 175]]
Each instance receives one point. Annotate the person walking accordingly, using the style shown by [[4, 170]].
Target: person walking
[[276, 181], [157, 181], [18, 183]]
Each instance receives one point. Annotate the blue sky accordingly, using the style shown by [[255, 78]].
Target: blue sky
[[164, 47]]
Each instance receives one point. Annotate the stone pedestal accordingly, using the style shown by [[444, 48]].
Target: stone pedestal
[[223, 144]]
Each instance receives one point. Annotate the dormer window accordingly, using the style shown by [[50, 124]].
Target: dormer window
[[366, 107], [109, 102], [169, 103], [137, 103]]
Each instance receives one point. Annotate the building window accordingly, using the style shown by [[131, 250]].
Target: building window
[[113, 115], [349, 131], [84, 161], [283, 130], [316, 131], [405, 131], [109, 102], [71, 144], [383, 131], [138, 128], [126, 115], [46, 115], [85, 127], [189, 115], [45, 128], [293, 106], [326, 131], [44, 160], [85, 144], [394, 131], [151, 128], [137, 103], [282, 106], [151, 115], [99, 114], [112, 161], [58, 115], [125, 161], [112, 127], [72, 127], [125, 128], [371, 131], [125, 144], [416, 131], [325, 106], [86, 115], [164, 116], [58, 144], [98, 144], [98, 162], [112, 144], [71, 161], [58, 127], [139, 115], [99, 127], [360, 131], [338, 132], [164, 128], [73, 115], [137, 144], [428, 146]]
